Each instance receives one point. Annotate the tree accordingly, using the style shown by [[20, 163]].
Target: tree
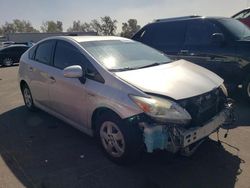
[[52, 27], [106, 26], [17, 26], [80, 27], [130, 28]]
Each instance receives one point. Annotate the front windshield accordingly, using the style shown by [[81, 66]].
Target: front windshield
[[119, 55], [238, 29]]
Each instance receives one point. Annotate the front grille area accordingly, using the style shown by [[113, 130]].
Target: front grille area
[[204, 107]]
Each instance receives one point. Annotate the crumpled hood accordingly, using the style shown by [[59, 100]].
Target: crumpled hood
[[178, 80]]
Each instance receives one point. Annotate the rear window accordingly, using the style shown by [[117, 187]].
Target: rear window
[[168, 33]]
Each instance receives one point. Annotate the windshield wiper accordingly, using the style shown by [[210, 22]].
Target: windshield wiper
[[139, 67], [122, 69], [151, 65]]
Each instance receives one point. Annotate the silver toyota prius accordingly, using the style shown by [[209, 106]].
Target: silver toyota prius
[[131, 97]]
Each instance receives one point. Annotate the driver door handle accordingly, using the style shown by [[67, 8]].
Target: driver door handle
[[52, 79]]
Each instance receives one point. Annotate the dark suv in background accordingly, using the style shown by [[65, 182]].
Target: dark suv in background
[[221, 45]]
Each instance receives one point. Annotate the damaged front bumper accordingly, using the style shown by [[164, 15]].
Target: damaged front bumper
[[175, 138]]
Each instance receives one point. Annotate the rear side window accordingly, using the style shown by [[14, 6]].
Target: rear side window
[[170, 33], [66, 55], [44, 52], [199, 32], [32, 52]]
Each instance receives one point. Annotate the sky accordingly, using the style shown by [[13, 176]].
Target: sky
[[145, 11]]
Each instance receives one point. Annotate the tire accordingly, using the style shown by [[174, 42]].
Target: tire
[[246, 88], [27, 97], [122, 143], [7, 62]]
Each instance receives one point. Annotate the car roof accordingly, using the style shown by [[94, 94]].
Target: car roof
[[90, 38], [193, 17]]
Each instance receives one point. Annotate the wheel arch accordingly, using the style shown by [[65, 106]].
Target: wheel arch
[[22, 84], [99, 111]]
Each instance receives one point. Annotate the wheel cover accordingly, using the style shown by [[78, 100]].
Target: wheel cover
[[7, 61], [112, 139], [27, 97]]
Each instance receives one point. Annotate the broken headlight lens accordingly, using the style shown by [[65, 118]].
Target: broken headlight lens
[[162, 110], [224, 89]]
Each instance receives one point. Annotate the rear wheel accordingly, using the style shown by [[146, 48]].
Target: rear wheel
[[27, 97], [246, 88], [7, 62], [122, 143]]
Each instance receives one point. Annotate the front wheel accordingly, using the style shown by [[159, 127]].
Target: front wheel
[[246, 88], [122, 143]]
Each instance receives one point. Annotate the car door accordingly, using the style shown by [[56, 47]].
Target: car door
[[199, 49], [38, 67], [67, 95]]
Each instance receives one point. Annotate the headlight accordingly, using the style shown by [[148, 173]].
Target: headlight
[[162, 110], [224, 89]]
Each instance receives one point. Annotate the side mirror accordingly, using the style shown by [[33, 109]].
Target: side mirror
[[74, 71], [218, 38]]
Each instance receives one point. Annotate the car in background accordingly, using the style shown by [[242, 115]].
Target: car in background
[[243, 16], [7, 43], [219, 44], [130, 96], [11, 54]]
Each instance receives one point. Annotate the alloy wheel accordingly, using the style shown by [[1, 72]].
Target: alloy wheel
[[112, 139]]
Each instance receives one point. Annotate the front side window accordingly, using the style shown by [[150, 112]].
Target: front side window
[[200, 32], [66, 55], [236, 28], [44, 52], [118, 55]]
